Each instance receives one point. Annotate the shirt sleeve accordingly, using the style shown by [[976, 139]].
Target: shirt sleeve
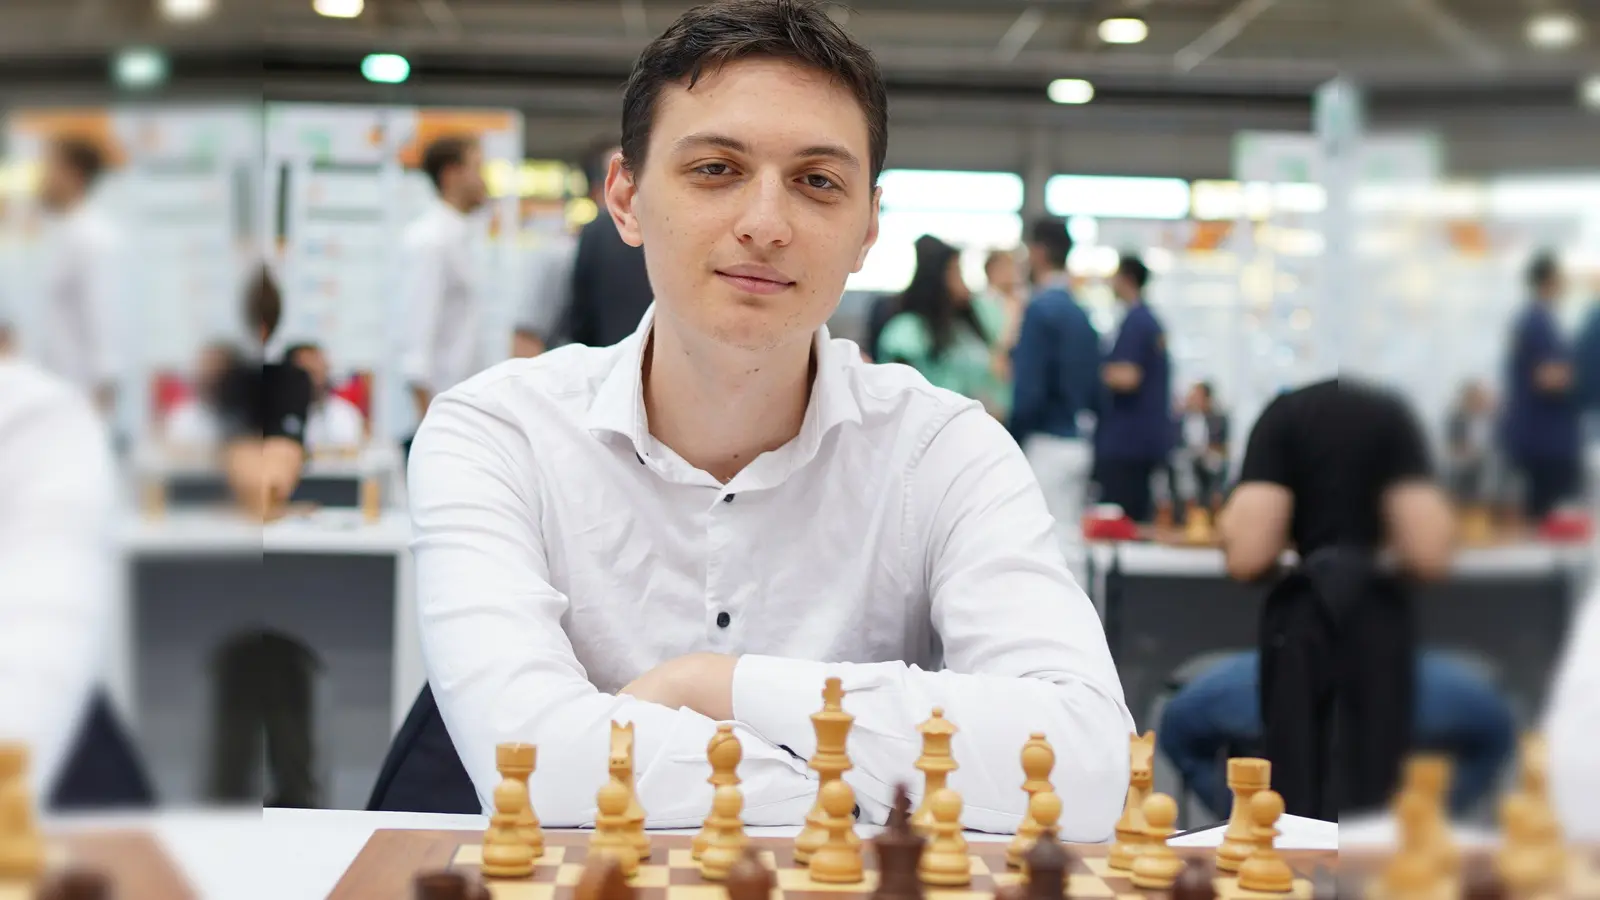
[[500, 662], [1136, 341], [1572, 725], [1024, 651], [424, 272], [57, 575], [1267, 455], [102, 275], [1407, 457]]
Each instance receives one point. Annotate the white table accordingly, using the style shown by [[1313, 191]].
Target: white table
[[336, 555]]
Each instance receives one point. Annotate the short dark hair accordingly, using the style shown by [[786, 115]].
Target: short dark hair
[[445, 152], [1542, 270], [720, 32], [1133, 268], [263, 306], [81, 155], [1205, 388], [293, 350], [1051, 236]]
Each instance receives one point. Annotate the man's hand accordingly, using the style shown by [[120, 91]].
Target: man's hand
[[701, 681]]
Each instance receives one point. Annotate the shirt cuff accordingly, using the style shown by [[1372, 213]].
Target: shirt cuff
[[776, 696]]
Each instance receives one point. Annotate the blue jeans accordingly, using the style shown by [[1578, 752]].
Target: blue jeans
[[1457, 713]]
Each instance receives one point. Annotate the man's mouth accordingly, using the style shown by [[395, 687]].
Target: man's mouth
[[756, 279]]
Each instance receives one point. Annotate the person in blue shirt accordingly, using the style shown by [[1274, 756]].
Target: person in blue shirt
[[1055, 362], [1134, 434], [1540, 428]]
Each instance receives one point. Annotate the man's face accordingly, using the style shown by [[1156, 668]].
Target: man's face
[[755, 202], [315, 365], [469, 184], [58, 183], [1199, 401]]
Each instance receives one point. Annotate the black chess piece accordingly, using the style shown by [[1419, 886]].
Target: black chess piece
[[78, 884], [1197, 881], [1480, 881], [1047, 864], [440, 886], [749, 878], [899, 853]]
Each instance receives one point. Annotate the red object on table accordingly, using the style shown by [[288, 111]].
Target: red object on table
[[1566, 526], [1107, 522]]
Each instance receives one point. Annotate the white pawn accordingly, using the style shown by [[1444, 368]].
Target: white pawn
[[838, 860], [945, 862], [611, 835], [1044, 812], [727, 841]]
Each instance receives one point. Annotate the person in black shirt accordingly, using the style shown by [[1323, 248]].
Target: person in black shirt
[[262, 408], [1337, 465], [610, 287]]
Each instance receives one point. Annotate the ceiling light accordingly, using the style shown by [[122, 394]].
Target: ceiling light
[[1554, 30], [1589, 92], [1071, 90], [386, 68], [185, 10], [139, 68], [1124, 30], [338, 9]]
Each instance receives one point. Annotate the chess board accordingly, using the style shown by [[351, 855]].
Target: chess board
[[133, 861], [391, 859]]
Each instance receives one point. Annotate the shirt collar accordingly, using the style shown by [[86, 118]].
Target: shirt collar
[[618, 406]]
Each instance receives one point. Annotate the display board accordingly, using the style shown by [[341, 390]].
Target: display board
[[343, 185]]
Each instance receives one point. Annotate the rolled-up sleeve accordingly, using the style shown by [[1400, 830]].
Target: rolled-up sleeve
[[1024, 651]]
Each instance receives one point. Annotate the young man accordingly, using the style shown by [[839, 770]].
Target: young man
[[1541, 420], [705, 521], [1134, 434], [443, 308], [1055, 362]]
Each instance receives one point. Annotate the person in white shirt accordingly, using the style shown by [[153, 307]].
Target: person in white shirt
[[193, 423], [1572, 725], [58, 569], [333, 421], [704, 522], [77, 334], [444, 313]]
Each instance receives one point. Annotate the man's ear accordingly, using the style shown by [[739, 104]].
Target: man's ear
[[872, 229], [622, 192]]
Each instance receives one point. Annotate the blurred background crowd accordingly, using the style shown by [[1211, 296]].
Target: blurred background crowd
[[1125, 227]]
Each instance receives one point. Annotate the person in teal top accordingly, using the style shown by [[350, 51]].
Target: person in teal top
[[944, 332]]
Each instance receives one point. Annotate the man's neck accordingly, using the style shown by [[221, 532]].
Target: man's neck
[[455, 204], [719, 407]]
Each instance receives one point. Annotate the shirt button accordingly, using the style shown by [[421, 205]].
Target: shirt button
[[728, 499], [723, 620]]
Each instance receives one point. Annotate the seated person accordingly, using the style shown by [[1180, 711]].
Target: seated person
[[192, 423], [1336, 465], [262, 411], [333, 422], [58, 566], [702, 523], [1456, 714]]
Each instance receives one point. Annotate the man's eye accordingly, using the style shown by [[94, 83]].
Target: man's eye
[[713, 169], [820, 182]]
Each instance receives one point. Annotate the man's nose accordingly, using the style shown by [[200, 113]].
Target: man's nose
[[765, 218]]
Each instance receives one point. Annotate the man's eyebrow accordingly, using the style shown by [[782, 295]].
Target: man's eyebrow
[[832, 151], [709, 139]]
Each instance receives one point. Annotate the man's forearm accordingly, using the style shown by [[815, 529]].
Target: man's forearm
[[1087, 727]]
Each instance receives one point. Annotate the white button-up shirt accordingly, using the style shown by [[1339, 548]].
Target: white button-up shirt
[[57, 565], [81, 290], [444, 313], [899, 542]]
